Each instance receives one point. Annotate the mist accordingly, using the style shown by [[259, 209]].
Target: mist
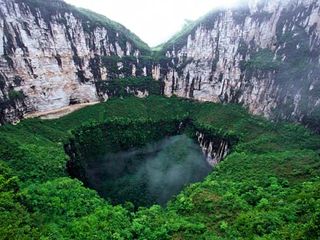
[[153, 21], [149, 175]]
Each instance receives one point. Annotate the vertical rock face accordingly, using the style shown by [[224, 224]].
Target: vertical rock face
[[264, 55], [215, 150], [52, 54]]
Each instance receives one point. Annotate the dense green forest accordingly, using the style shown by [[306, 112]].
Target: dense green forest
[[268, 187]]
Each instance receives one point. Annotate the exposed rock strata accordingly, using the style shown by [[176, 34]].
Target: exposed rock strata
[[214, 150], [52, 58], [264, 56]]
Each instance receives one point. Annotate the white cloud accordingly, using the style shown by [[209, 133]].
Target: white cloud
[[153, 21]]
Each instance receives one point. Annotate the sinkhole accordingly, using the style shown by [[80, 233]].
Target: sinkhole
[[142, 166]]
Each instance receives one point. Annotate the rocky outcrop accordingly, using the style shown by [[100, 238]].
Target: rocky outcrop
[[264, 55], [51, 55], [214, 149]]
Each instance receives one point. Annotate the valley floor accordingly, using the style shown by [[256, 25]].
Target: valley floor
[[58, 113]]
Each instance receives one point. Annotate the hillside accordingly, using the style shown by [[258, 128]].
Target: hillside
[[213, 135], [262, 189]]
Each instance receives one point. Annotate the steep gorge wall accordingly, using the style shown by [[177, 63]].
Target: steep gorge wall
[[52, 54], [264, 55], [214, 149]]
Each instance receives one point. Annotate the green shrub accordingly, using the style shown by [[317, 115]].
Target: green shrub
[[15, 95], [125, 87], [263, 60]]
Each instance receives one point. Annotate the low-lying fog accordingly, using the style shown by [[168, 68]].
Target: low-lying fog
[[149, 175]]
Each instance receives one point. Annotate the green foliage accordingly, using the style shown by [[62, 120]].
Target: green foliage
[[123, 66], [62, 197], [15, 95], [105, 223], [31, 153], [66, 210], [111, 62], [125, 87], [266, 188], [15, 220], [263, 60]]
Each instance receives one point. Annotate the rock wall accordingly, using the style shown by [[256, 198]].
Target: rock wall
[[215, 150], [264, 55], [51, 55]]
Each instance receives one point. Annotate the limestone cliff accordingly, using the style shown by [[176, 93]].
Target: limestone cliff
[[264, 55], [52, 54]]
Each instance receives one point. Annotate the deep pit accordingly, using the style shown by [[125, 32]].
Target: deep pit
[[148, 166], [148, 175]]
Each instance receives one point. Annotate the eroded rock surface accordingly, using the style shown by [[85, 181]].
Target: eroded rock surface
[[51, 56], [264, 55]]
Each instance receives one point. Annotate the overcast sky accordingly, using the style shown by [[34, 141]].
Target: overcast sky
[[154, 21]]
